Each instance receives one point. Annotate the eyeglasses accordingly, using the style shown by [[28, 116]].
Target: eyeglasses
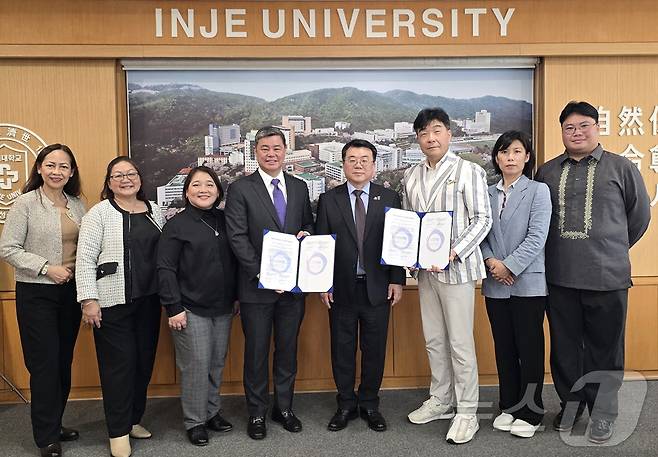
[[132, 175], [571, 129], [363, 161]]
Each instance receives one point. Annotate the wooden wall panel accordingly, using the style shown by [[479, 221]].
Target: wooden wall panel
[[164, 371], [641, 335], [2, 341], [314, 348], [235, 355], [611, 82], [14, 368], [71, 102], [84, 372], [79, 28], [79, 102], [409, 353], [406, 364], [484, 347]]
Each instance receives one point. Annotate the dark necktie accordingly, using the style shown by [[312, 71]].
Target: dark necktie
[[360, 219], [279, 202]]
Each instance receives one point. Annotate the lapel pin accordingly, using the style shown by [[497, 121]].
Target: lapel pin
[[378, 197]]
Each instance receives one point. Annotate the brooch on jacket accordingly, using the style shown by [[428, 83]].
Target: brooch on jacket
[[378, 197]]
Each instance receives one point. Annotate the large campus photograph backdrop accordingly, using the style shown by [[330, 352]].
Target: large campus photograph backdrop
[[180, 119]]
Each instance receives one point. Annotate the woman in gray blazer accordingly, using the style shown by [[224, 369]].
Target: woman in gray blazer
[[515, 286], [39, 240]]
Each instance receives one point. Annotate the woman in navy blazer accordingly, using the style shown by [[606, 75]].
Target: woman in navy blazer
[[515, 286]]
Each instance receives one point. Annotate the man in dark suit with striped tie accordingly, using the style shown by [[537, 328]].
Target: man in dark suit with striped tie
[[273, 200], [364, 290]]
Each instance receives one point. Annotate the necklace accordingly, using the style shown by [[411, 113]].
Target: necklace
[[69, 212], [210, 227], [65, 207], [59, 199]]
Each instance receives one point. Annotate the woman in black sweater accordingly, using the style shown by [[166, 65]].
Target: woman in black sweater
[[196, 274]]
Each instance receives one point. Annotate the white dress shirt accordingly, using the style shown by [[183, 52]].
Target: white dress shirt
[[267, 179]]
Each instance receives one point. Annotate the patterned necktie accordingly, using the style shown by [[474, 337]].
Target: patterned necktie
[[360, 219], [279, 202]]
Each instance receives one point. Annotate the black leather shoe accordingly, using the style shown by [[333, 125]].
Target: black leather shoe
[[564, 422], [52, 450], [288, 419], [68, 434], [219, 424], [374, 418], [198, 435], [256, 428], [341, 418]]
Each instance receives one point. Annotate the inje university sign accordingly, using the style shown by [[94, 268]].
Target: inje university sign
[[322, 22], [366, 28]]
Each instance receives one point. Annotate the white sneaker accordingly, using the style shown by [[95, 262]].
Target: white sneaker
[[523, 429], [463, 428], [431, 410], [120, 447], [139, 432], [503, 422]]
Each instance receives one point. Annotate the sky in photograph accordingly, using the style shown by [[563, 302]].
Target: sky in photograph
[[515, 84]]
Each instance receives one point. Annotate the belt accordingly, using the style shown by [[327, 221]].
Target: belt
[[360, 278]]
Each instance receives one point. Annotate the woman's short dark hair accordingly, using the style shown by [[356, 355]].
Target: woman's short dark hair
[[35, 180], [107, 192], [213, 176], [503, 143], [582, 108]]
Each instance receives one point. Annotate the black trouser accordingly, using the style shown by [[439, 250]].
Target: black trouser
[[285, 315], [517, 325], [126, 344], [587, 340], [48, 321], [369, 325]]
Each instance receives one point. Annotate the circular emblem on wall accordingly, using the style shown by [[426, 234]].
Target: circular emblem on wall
[[18, 149]]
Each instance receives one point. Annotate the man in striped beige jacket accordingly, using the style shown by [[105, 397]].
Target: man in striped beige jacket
[[445, 182]]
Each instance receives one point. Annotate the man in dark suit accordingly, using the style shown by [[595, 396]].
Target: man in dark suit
[[364, 290], [273, 200]]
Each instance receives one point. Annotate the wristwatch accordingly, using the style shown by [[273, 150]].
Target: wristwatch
[[44, 269]]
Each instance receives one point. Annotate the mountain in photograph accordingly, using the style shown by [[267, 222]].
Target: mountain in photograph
[[506, 114], [364, 110], [182, 110], [168, 122]]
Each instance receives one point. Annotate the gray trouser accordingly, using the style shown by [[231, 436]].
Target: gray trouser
[[447, 312], [200, 354]]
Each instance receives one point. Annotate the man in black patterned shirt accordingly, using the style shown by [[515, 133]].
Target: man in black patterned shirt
[[600, 209]]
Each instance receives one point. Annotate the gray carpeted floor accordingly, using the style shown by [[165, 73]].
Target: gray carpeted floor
[[636, 432]]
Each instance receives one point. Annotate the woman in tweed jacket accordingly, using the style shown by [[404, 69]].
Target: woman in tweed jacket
[[117, 286], [39, 240]]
